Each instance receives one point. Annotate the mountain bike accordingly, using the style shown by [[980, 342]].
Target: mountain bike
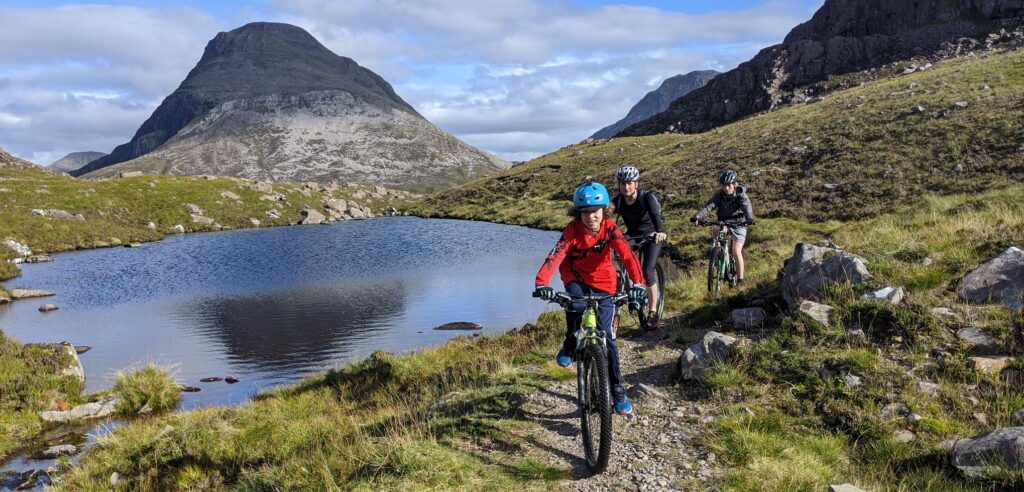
[[721, 268], [625, 283], [592, 379]]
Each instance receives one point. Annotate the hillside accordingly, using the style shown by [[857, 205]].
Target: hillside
[[658, 100], [268, 101], [75, 160], [886, 142]]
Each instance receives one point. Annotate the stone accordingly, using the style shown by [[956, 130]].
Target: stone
[[917, 109], [81, 349], [747, 317], [38, 259], [818, 312], [893, 410], [888, 295], [945, 312], [54, 452], [998, 279], [380, 190], [29, 293], [190, 389], [903, 436], [115, 479], [713, 348], [980, 417], [812, 269], [336, 206], [255, 222], [645, 391], [1018, 417], [460, 325], [928, 388], [19, 249], [356, 212], [856, 337], [179, 229], [310, 216], [846, 487], [151, 226], [852, 380], [94, 410], [230, 195], [193, 209], [211, 379], [133, 245], [129, 174], [984, 88], [978, 341], [986, 453], [231, 380], [990, 364], [201, 220], [960, 104], [914, 418], [45, 308]]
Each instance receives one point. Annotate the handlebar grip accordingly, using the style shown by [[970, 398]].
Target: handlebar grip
[[535, 294]]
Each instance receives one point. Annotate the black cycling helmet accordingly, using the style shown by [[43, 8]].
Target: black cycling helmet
[[728, 176]]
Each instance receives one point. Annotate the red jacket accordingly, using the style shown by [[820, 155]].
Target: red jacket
[[590, 258]]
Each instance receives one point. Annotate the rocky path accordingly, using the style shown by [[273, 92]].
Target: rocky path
[[656, 448]]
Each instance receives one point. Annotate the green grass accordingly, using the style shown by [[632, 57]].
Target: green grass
[[150, 387], [31, 381]]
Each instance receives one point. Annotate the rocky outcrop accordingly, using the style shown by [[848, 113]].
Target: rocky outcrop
[[1000, 279], [29, 293], [658, 100], [989, 452], [812, 269], [843, 36], [75, 160], [267, 101], [94, 410]]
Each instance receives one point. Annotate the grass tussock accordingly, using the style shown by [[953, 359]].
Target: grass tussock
[[149, 389]]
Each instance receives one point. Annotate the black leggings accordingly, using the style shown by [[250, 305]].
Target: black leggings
[[651, 251]]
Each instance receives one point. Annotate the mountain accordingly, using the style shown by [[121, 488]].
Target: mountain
[[8, 160], [268, 101], [843, 36], [75, 160], [658, 100]]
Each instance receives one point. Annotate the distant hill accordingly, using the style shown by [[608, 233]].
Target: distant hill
[[843, 36], [658, 100], [75, 160], [268, 101]]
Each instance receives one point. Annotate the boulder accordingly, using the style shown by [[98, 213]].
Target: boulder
[[255, 222], [178, 229], [990, 364], [193, 209], [29, 293], [310, 216], [94, 410], [703, 355], [45, 308], [747, 318], [978, 341], [888, 295], [19, 249], [38, 259], [336, 206], [356, 212], [986, 453], [74, 367], [151, 226], [998, 279], [812, 269], [818, 312]]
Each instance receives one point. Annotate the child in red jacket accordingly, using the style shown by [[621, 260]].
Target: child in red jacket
[[586, 247]]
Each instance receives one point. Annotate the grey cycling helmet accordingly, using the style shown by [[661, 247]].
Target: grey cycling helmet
[[627, 173], [728, 176]]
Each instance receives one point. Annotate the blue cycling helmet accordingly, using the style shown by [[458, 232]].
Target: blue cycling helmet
[[590, 195]]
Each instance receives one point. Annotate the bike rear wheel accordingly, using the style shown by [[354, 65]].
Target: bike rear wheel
[[662, 280], [595, 407], [714, 269]]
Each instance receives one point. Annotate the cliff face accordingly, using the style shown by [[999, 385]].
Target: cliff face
[[268, 101], [658, 100], [843, 36]]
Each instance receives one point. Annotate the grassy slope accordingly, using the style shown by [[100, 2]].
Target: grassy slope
[[118, 210], [864, 139]]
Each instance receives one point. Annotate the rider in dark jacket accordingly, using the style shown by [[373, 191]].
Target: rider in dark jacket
[[641, 213], [735, 210]]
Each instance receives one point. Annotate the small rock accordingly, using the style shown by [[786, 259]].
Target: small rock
[[747, 317], [231, 380], [984, 88], [230, 195], [703, 355], [846, 487], [945, 312], [255, 222], [928, 388], [890, 295], [190, 389], [893, 410], [115, 479], [998, 279], [201, 220], [818, 312], [133, 245], [980, 417], [54, 452], [81, 349], [310, 216], [852, 380], [917, 110], [45, 308], [1018, 417], [460, 325], [978, 341], [960, 104], [990, 364], [856, 337], [38, 259], [180, 229], [99, 409], [830, 186], [925, 262], [649, 392], [213, 379], [904, 436], [129, 174], [193, 209], [914, 418], [151, 226]]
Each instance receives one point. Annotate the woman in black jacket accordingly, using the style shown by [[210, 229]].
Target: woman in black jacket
[[641, 213], [735, 210]]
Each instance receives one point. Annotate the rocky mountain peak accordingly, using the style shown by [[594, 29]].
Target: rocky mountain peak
[[658, 100]]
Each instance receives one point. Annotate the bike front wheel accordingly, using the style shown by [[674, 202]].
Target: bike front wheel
[[714, 268], [595, 407]]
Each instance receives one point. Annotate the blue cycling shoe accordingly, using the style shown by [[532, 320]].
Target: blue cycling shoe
[[563, 359], [622, 405]]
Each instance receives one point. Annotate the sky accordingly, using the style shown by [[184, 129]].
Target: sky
[[518, 78]]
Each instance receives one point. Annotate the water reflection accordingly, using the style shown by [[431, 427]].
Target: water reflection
[[298, 328]]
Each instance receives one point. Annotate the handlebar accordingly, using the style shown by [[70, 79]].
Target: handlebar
[[720, 223], [564, 298]]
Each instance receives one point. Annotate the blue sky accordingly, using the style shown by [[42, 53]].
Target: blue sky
[[518, 78]]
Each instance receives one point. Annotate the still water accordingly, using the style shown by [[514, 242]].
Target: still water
[[271, 306]]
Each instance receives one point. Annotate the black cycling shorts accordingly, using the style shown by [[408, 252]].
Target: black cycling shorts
[[650, 253]]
